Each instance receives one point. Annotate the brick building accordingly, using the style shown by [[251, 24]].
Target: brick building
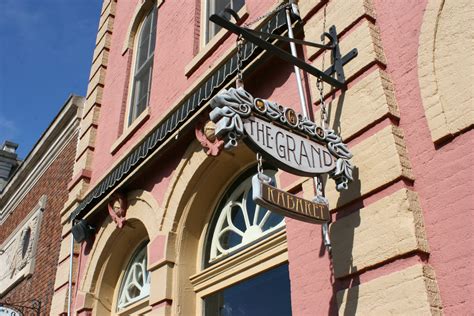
[[30, 211], [166, 227]]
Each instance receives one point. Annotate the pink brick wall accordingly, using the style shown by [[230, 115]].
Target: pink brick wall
[[443, 180], [174, 50], [443, 173]]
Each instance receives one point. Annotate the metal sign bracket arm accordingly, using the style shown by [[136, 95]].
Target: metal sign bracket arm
[[253, 37]]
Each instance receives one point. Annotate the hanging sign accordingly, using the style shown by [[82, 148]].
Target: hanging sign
[[287, 140], [287, 150], [287, 204]]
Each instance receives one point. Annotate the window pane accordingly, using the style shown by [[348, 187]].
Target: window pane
[[218, 6], [143, 65], [136, 282], [238, 221], [144, 43], [265, 294], [153, 34], [141, 92]]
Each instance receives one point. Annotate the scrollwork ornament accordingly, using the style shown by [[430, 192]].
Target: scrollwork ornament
[[336, 146], [342, 174], [229, 107]]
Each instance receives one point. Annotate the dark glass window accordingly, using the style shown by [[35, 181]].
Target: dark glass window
[[265, 294], [145, 49], [218, 6]]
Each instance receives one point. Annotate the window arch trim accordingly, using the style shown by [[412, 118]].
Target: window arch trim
[[237, 200], [132, 276], [141, 10]]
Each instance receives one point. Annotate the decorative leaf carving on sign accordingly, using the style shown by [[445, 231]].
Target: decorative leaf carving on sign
[[233, 108], [229, 108]]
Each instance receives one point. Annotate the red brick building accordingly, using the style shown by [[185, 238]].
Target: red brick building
[[166, 227], [30, 213]]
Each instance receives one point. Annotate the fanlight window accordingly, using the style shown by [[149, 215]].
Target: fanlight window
[[136, 282], [240, 222]]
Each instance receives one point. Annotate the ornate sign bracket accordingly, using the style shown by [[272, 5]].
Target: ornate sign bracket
[[258, 38], [20, 308]]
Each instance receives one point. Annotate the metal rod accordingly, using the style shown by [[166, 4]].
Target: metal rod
[[304, 107], [69, 299], [275, 50], [331, 44]]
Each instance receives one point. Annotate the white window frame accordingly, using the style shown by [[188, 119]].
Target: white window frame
[[139, 261], [243, 261], [253, 226], [131, 113], [207, 26]]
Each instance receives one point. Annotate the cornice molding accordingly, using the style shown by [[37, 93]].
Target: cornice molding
[[61, 131]]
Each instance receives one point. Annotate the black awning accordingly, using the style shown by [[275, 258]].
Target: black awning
[[181, 114]]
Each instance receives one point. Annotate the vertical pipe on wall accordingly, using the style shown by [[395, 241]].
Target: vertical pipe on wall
[[71, 257], [299, 83], [304, 109]]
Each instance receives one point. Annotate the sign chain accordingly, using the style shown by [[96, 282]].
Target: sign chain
[[259, 164], [261, 17], [239, 43], [324, 124]]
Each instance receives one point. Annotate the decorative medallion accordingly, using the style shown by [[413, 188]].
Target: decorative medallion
[[117, 207], [205, 133]]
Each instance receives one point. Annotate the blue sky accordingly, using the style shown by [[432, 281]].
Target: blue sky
[[45, 55]]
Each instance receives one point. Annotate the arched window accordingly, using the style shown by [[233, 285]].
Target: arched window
[[240, 232], [143, 64], [135, 284], [239, 221]]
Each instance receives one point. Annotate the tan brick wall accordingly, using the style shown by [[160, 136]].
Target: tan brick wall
[[378, 160], [83, 162], [59, 303], [373, 96], [90, 120], [100, 61], [86, 142], [94, 100], [390, 227], [445, 71], [340, 13], [407, 292], [103, 44], [96, 81]]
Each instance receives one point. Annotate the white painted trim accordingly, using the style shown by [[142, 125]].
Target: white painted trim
[[130, 127], [37, 211]]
